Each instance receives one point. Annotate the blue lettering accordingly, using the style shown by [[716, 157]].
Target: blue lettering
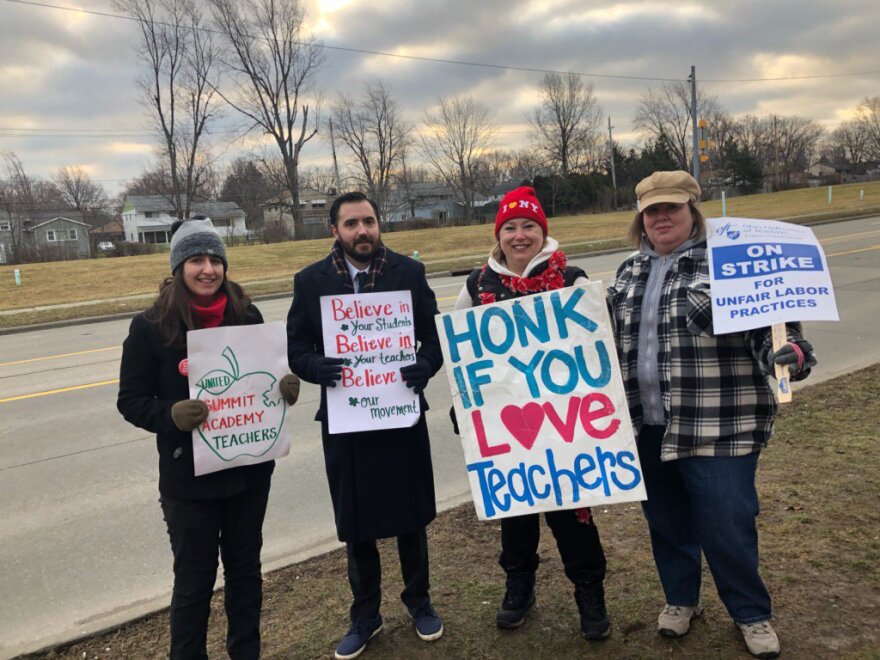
[[475, 381], [604, 376], [581, 471], [480, 468], [544, 493], [624, 459], [569, 362], [526, 495], [496, 483], [525, 326], [455, 339], [566, 311], [528, 371], [462, 388], [555, 475], [486, 336]]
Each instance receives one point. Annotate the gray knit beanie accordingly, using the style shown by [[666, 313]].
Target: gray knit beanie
[[195, 236]]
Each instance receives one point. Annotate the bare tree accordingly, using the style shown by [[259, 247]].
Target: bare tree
[[567, 122], [376, 135], [178, 89], [664, 117], [848, 143], [274, 65], [81, 193], [322, 179], [454, 139], [22, 195], [794, 142], [868, 114]]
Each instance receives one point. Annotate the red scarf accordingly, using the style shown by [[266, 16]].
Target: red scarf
[[552, 277], [211, 316]]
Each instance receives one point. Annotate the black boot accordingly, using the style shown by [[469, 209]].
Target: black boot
[[518, 599], [590, 599]]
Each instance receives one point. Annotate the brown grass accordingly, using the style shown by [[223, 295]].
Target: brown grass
[[819, 482], [270, 268]]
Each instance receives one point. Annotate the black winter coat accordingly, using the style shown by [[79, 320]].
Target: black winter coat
[[149, 384], [381, 482]]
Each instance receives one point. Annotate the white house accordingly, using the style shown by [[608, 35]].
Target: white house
[[148, 218]]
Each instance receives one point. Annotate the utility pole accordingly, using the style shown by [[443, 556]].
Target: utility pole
[[775, 157], [335, 164], [611, 156], [693, 81]]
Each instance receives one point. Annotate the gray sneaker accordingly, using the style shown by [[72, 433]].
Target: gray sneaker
[[761, 639], [675, 620]]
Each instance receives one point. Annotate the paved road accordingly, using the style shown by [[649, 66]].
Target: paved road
[[82, 542]]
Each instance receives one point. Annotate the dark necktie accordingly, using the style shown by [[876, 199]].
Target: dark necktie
[[361, 278]]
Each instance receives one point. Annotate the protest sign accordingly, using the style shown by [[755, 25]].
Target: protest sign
[[764, 272], [374, 333], [540, 403], [235, 370]]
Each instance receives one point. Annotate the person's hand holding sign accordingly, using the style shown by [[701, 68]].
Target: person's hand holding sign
[[289, 386], [328, 370], [189, 413], [796, 354], [416, 376]]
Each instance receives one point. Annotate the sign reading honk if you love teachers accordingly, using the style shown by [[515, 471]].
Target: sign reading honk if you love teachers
[[540, 403], [374, 333]]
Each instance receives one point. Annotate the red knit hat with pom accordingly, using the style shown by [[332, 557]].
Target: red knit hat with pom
[[520, 203]]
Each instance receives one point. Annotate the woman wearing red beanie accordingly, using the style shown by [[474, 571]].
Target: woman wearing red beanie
[[525, 261]]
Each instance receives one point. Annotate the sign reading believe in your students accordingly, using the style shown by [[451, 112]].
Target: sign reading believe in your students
[[540, 403], [764, 272], [374, 333], [235, 370]]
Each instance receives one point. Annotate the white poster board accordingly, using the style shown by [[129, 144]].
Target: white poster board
[[764, 272], [235, 370], [375, 334], [540, 403]]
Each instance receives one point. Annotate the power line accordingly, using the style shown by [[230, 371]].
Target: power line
[[506, 67]]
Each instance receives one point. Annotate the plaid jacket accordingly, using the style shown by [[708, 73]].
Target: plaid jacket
[[714, 389]]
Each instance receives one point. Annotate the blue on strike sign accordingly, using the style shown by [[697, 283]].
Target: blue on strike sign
[[764, 272]]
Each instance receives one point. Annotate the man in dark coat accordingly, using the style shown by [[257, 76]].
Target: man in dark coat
[[381, 482]]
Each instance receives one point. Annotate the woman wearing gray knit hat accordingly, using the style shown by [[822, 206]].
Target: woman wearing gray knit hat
[[221, 512]]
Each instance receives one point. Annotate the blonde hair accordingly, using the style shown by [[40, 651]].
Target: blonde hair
[[637, 228]]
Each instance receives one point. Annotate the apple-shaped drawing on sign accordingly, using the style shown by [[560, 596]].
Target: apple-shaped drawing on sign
[[246, 411]]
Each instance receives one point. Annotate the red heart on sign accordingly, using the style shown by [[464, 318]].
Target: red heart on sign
[[523, 423]]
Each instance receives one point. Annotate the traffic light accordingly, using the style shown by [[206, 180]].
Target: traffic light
[[704, 140]]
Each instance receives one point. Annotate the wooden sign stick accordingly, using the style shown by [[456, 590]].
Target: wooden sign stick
[[783, 386]]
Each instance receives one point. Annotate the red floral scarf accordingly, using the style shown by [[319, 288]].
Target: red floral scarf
[[550, 278]]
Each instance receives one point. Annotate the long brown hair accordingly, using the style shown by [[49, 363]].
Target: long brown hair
[[174, 313]]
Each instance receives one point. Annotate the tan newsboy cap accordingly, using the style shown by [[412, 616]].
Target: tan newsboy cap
[[677, 187]]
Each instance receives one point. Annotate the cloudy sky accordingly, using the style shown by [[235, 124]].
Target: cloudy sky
[[68, 78]]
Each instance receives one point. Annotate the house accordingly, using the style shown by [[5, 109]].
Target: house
[[314, 206], [43, 236], [432, 200], [148, 218]]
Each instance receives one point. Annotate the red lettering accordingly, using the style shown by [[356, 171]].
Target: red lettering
[[566, 428], [605, 409], [485, 449], [358, 310]]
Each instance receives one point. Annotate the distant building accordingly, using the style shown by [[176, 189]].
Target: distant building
[[148, 218], [314, 206], [43, 236]]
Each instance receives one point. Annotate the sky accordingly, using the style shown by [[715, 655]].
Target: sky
[[69, 95]]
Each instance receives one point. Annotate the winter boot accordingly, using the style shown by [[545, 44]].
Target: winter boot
[[518, 599], [590, 599]]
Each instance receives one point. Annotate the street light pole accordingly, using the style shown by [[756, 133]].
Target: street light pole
[[696, 157]]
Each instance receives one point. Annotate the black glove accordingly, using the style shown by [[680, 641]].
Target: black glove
[[454, 420], [328, 370], [289, 386], [797, 355], [189, 413], [417, 375]]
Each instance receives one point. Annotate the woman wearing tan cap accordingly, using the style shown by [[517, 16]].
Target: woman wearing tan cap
[[701, 408]]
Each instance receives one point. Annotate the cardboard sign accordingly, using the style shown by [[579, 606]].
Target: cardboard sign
[[235, 370], [540, 403], [375, 334], [764, 272]]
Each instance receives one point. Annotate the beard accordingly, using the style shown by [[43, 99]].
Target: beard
[[361, 255]]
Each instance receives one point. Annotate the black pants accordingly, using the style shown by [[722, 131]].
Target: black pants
[[365, 574], [578, 543], [198, 529]]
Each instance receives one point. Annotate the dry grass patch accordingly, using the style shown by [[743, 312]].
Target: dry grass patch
[[820, 498]]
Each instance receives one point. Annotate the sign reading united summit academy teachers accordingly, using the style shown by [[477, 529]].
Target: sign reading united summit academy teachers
[[235, 370], [540, 403], [765, 272]]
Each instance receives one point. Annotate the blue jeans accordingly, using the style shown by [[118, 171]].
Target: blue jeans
[[707, 503]]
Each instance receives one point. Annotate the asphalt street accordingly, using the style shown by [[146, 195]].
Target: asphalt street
[[82, 541]]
